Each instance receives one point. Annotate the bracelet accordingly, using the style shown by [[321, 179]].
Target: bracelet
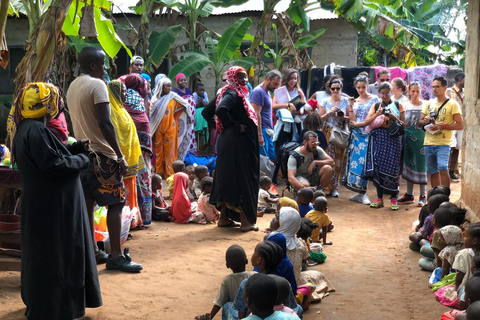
[[122, 158], [446, 124]]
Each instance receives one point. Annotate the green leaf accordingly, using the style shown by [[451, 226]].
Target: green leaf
[[245, 62], [298, 14], [159, 43], [389, 30], [306, 40], [232, 39], [212, 49], [190, 65], [107, 37], [79, 44], [227, 3], [345, 5]]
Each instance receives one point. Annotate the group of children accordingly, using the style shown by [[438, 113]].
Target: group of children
[[189, 189], [451, 252]]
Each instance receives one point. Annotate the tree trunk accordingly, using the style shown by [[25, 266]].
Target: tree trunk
[[42, 45]]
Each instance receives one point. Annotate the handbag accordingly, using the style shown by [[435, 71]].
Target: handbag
[[340, 137], [396, 130]]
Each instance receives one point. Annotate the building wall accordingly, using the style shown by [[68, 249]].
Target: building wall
[[471, 139]]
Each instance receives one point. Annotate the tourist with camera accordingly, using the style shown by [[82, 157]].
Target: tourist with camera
[[440, 117], [386, 123], [333, 112]]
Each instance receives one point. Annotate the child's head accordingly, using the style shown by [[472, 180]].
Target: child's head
[[200, 89], [283, 287], [178, 166], [446, 189], [476, 262], [318, 193], [458, 215], [435, 201], [472, 290], [304, 196], [201, 172], [436, 190], [450, 236], [236, 258], [206, 185], [267, 255], [473, 311], [306, 228], [190, 171], [472, 236], [265, 182], [156, 181], [442, 217], [321, 204], [261, 293]]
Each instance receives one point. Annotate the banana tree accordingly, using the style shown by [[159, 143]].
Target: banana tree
[[220, 53]]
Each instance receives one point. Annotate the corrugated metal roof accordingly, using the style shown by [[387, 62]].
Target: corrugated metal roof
[[251, 5]]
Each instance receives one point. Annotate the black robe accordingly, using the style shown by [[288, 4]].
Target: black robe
[[238, 161], [58, 274]]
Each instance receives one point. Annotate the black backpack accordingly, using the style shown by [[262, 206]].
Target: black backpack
[[286, 150]]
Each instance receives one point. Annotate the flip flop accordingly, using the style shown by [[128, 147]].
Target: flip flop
[[252, 228], [231, 224]]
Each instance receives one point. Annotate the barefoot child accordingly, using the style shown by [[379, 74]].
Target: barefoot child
[[236, 261], [183, 210], [209, 210], [190, 171], [159, 208], [200, 173], [260, 296], [177, 166], [451, 242], [465, 258], [265, 199], [319, 215], [304, 198]]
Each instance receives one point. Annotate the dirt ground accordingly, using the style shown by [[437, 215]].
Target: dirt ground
[[375, 274]]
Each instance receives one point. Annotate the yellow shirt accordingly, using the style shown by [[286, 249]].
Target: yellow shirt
[[170, 185], [318, 217], [441, 137]]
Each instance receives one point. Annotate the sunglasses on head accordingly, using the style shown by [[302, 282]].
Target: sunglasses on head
[[383, 80], [335, 88]]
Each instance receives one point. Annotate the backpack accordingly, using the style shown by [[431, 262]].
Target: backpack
[[286, 150]]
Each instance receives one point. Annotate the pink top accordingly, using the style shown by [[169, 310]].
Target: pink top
[[282, 308], [206, 208]]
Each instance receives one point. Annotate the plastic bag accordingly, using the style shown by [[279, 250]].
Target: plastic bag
[[101, 230], [266, 166]]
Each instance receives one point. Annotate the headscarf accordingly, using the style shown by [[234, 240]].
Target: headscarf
[[136, 82], [125, 130], [179, 76], [158, 77], [181, 208], [136, 58], [160, 103], [146, 77], [287, 202], [290, 222], [33, 101], [453, 236], [285, 267], [233, 82]]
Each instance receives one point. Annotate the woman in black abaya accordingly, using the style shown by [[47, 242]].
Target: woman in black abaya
[[58, 274], [235, 186]]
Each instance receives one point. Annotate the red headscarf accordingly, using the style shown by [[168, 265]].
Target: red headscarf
[[181, 208], [234, 83], [136, 82]]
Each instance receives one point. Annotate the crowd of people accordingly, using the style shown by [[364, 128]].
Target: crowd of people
[[131, 135]]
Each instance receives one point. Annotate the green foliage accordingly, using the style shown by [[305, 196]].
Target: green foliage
[[232, 39], [159, 44]]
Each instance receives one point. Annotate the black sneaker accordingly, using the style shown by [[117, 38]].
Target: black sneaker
[[123, 262], [406, 199], [453, 177], [101, 257]]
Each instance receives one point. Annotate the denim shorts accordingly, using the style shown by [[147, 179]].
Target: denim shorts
[[437, 158]]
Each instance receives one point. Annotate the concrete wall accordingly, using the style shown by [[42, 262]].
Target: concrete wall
[[471, 140]]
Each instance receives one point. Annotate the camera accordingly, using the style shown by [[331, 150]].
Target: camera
[[386, 112], [340, 114]]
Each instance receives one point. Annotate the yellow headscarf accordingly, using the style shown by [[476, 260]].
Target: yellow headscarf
[[34, 101], [287, 202], [125, 129]]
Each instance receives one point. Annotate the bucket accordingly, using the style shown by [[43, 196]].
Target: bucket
[[9, 223]]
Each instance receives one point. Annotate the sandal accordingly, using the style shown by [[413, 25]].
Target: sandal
[[251, 228], [231, 224], [377, 204], [394, 204]]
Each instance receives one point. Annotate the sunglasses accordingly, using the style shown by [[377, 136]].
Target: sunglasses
[[315, 144], [224, 80], [335, 88], [383, 80], [385, 94]]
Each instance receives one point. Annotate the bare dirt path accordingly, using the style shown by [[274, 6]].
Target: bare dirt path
[[374, 272]]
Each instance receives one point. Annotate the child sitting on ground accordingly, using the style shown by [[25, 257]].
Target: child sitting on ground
[[236, 261], [200, 173], [260, 296], [159, 206], [470, 295], [319, 215], [190, 171], [441, 218], [209, 210], [424, 211], [318, 193], [304, 197], [265, 199], [421, 237], [451, 242], [183, 210], [284, 290], [177, 166]]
